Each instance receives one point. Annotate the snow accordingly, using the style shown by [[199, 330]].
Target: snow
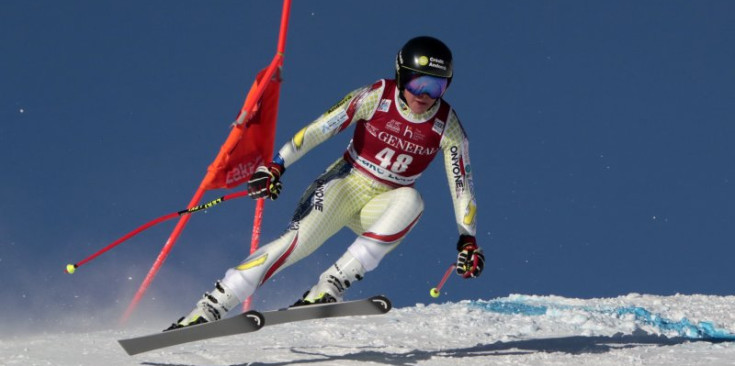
[[513, 330]]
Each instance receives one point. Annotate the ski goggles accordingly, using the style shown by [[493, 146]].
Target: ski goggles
[[433, 86]]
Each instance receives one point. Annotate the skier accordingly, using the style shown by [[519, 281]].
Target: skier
[[400, 125]]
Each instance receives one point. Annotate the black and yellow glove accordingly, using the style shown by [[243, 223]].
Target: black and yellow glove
[[266, 181]]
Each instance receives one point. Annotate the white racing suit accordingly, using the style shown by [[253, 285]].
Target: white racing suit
[[369, 189]]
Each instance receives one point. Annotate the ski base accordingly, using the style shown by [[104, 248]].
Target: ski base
[[252, 321]]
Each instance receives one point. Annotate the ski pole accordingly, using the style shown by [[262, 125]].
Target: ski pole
[[434, 292], [70, 268]]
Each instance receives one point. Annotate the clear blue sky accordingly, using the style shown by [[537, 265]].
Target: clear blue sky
[[601, 139]]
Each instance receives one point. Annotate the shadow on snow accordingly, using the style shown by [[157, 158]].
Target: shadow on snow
[[574, 345]]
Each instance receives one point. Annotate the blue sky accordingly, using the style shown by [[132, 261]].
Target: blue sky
[[600, 132]]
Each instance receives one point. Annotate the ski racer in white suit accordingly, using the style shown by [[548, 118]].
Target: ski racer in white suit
[[400, 125]]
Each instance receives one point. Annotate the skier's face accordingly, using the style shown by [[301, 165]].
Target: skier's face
[[418, 103]]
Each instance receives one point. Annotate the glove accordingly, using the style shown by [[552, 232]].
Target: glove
[[470, 260], [266, 181]]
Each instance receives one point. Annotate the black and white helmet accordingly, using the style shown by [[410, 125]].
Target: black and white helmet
[[423, 55]]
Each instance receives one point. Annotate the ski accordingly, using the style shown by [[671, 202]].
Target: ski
[[252, 321], [243, 323], [371, 306]]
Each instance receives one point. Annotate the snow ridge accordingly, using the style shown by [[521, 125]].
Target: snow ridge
[[706, 330]]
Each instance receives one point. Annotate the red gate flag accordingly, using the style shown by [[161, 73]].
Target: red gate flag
[[250, 144]]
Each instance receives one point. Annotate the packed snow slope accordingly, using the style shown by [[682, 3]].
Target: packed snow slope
[[514, 330]]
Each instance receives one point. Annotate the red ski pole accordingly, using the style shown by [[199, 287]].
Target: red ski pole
[[70, 268], [434, 292]]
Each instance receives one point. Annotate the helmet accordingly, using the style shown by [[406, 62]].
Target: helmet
[[423, 55]]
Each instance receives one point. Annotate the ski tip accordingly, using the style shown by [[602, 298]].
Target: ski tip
[[125, 344], [382, 303]]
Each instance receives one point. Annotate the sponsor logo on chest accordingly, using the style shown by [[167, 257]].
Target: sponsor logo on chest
[[405, 145], [438, 126], [394, 126], [384, 105], [414, 133]]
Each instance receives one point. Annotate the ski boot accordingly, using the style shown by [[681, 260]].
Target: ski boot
[[334, 282], [322, 298], [213, 306]]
